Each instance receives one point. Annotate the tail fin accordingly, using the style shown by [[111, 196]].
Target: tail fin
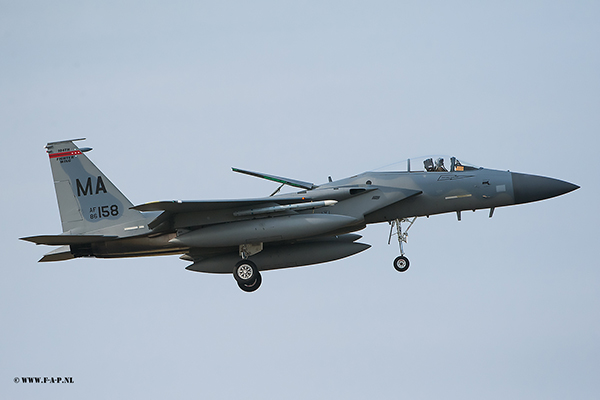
[[87, 200]]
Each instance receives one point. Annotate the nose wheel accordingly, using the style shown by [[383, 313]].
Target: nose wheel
[[401, 263]]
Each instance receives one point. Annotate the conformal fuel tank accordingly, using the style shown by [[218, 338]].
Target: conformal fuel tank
[[264, 230]]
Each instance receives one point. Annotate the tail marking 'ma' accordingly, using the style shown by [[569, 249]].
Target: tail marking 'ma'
[[88, 186]]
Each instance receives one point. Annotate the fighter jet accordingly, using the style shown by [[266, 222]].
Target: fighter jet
[[243, 237]]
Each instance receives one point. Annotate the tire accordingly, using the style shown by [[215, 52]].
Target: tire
[[251, 287], [245, 272], [401, 264]]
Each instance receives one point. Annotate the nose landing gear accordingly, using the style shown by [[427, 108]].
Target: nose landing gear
[[401, 263]]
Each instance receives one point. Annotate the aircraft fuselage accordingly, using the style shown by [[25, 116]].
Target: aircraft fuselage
[[312, 225]]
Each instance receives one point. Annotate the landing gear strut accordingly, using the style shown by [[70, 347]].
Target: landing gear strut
[[401, 263]]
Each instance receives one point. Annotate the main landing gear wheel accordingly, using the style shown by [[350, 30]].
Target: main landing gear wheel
[[401, 264], [245, 272], [251, 287]]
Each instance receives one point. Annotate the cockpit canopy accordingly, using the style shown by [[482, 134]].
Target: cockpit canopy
[[438, 163]]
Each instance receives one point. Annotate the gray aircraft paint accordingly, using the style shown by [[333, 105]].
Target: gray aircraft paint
[[264, 230], [306, 227]]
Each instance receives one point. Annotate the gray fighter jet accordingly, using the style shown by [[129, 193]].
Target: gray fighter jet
[[243, 237]]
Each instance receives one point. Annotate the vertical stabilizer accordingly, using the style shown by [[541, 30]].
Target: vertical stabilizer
[[87, 200]]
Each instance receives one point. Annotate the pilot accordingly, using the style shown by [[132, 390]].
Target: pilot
[[439, 165], [428, 164]]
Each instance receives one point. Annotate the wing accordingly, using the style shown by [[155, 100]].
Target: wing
[[179, 214], [278, 179], [182, 214]]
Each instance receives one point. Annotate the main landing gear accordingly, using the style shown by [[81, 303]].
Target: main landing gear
[[401, 263], [246, 272], [247, 275]]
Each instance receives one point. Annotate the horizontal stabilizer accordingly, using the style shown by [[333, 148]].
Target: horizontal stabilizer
[[65, 240], [60, 254], [278, 179]]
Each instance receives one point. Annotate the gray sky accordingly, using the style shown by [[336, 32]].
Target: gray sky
[[172, 96]]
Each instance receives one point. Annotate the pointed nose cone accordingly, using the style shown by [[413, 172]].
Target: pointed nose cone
[[528, 188]]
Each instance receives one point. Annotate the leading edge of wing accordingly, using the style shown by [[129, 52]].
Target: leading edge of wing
[[180, 206], [278, 179]]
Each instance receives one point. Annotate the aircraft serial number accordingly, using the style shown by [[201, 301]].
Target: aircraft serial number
[[104, 211]]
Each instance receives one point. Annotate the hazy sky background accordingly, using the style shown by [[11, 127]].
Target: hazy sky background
[[172, 96]]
